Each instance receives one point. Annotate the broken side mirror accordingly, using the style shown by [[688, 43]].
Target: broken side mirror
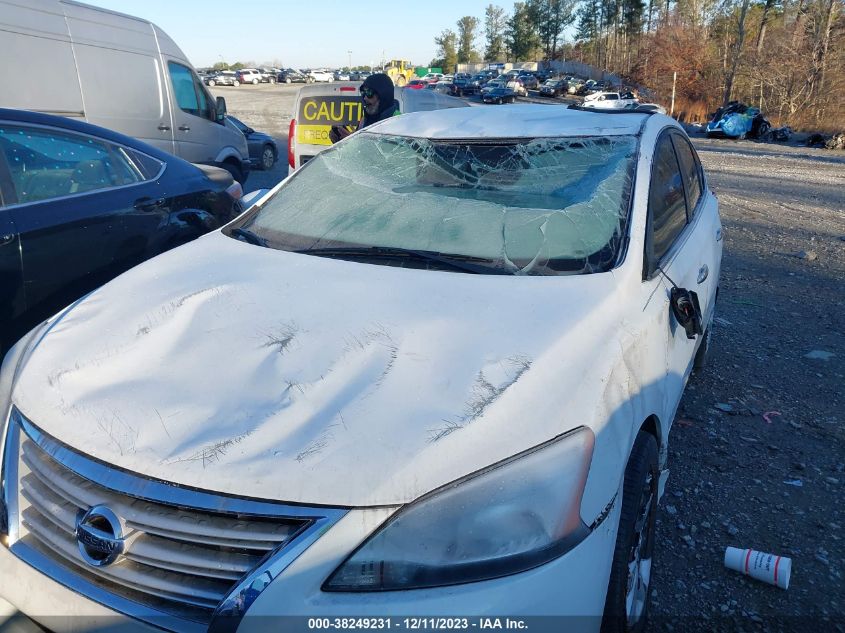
[[687, 310]]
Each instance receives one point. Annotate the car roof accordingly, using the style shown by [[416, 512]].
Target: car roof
[[516, 121], [82, 127]]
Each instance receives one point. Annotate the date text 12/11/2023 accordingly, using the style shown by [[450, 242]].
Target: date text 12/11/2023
[[417, 623]]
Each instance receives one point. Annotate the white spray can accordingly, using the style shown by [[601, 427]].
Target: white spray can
[[769, 568]]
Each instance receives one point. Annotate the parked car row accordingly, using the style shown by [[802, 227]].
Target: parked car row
[[238, 77]]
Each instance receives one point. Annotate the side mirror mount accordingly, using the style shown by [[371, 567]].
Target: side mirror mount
[[687, 311], [220, 106]]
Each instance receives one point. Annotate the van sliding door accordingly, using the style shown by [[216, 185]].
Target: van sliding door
[[134, 102]]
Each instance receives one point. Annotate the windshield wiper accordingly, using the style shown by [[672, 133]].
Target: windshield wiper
[[249, 236], [464, 263]]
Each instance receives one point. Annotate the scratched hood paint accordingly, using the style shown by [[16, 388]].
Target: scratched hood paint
[[244, 370]]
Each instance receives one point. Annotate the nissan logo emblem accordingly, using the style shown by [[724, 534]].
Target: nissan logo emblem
[[99, 535]]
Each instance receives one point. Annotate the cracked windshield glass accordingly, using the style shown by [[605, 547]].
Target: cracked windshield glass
[[543, 206]]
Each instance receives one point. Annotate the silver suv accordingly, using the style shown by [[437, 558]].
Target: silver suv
[[248, 76]]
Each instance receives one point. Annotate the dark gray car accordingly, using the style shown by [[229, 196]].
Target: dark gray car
[[225, 78], [263, 151]]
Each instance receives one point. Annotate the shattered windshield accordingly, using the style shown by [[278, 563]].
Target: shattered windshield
[[543, 206]]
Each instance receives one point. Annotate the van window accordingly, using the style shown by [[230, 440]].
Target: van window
[[190, 96]]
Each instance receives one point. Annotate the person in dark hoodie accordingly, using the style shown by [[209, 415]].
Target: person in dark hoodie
[[379, 104]]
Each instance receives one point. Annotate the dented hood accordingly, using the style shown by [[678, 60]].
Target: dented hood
[[274, 375]]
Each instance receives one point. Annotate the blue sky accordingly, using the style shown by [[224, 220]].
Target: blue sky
[[307, 33]]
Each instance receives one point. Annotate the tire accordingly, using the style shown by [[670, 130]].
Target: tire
[[272, 80], [268, 158], [254, 82], [626, 611], [211, 82], [701, 354], [287, 80], [235, 170], [236, 83]]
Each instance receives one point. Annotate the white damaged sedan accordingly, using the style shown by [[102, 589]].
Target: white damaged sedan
[[430, 374]]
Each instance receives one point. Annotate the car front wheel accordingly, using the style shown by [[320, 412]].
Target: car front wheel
[[268, 158], [626, 605], [700, 359]]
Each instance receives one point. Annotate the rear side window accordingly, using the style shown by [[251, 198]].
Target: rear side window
[[666, 204], [190, 97], [46, 163], [689, 170]]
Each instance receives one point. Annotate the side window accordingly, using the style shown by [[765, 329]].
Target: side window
[[46, 163], [666, 204], [690, 171], [190, 97]]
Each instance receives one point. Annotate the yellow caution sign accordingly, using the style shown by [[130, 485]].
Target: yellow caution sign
[[330, 111], [317, 115]]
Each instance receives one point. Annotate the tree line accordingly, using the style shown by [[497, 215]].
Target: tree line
[[784, 56]]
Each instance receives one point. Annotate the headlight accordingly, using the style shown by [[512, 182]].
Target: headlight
[[513, 516]]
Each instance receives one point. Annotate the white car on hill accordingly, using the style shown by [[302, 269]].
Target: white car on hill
[[432, 373], [609, 100]]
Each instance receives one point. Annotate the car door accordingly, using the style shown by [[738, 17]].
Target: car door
[[672, 259], [84, 208], [12, 299], [705, 244]]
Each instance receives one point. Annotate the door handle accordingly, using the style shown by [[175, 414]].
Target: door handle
[[148, 204], [163, 127], [702, 273], [6, 239], [184, 128]]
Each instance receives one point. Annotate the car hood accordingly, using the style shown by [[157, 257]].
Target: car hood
[[262, 373], [261, 137]]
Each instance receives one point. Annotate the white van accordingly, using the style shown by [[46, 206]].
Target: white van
[[320, 107], [117, 71]]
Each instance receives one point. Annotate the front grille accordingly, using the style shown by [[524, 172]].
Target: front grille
[[179, 561]]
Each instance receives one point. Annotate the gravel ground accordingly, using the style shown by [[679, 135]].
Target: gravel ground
[[756, 453]]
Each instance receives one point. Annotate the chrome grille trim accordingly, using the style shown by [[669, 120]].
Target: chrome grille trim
[[191, 556], [10, 476]]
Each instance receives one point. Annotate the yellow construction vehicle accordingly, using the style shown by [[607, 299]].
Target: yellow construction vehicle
[[400, 71]]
